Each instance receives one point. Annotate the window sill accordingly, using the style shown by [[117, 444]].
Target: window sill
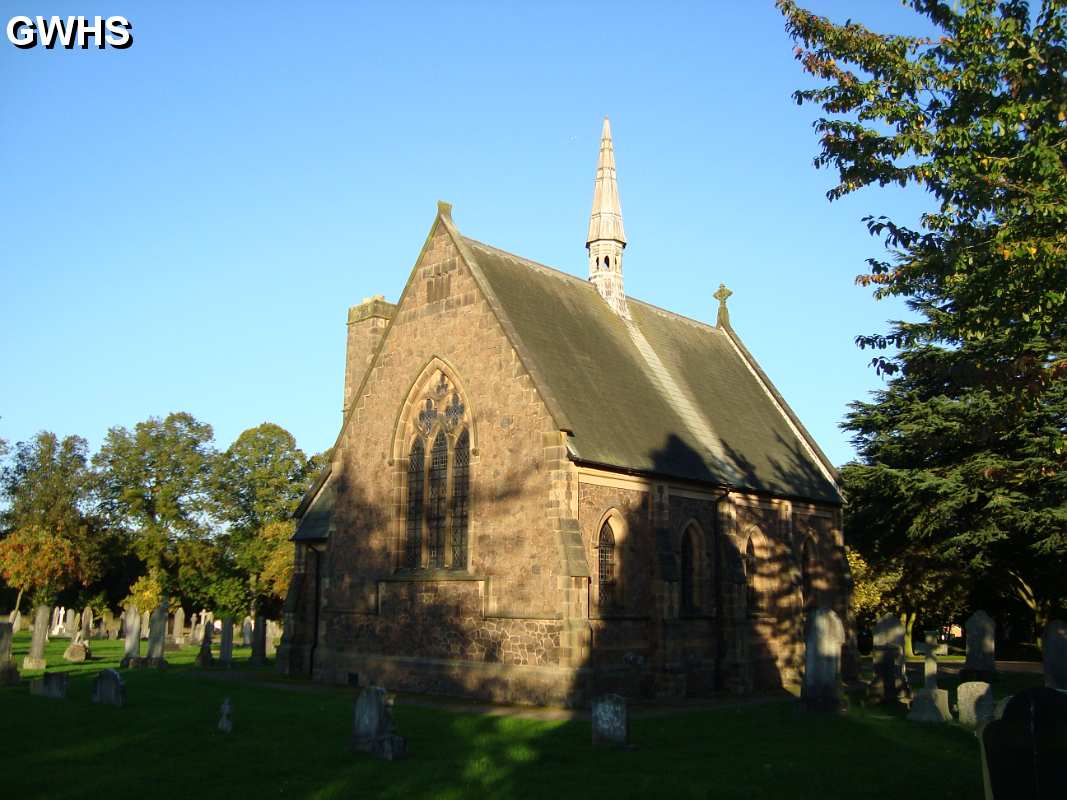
[[428, 575]]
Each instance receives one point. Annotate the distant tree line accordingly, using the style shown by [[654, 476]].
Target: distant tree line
[[158, 512]]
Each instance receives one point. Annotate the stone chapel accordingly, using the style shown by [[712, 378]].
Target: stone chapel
[[544, 489]]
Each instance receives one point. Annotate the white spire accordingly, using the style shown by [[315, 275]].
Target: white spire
[[607, 238]]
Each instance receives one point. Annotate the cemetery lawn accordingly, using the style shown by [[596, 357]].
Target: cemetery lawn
[[290, 740]]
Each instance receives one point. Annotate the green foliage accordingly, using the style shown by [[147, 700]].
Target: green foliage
[[154, 483], [147, 592], [963, 453]]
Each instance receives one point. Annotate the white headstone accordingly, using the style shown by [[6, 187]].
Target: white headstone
[[822, 660]]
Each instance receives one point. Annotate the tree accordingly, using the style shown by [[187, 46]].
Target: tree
[[37, 561], [154, 483], [963, 453], [48, 487]]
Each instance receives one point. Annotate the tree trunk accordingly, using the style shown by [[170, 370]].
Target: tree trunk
[[18, 603], [908, 619]]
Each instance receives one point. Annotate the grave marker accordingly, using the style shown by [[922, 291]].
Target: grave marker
[[9, 673], [822, 661], [611, 720], [109, 689], [35, 659], [372, 726]]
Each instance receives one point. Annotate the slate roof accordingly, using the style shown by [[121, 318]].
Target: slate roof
[[660, 394], [315, 520]]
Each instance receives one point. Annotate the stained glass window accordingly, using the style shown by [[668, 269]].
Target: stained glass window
[[414, 528], [460, 499], [438, 510], [606, 560]]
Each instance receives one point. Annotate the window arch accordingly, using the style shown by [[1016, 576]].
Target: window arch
[[691, 569], [755, 600], [807, 573], [436, 512], [606, 578]]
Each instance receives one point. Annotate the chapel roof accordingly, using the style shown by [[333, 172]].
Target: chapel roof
[[659, 393]]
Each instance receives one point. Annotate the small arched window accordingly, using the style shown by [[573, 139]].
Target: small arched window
[[690, 578], [606, 598], [807, 573], [413, 543], [607, 262], [460, 500], [755, 605]]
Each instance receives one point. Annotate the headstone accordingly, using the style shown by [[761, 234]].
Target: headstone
[[87, 624], [372, 726], [204, 657], [822, 661], [888, 686], [259, 640], [51, 684], [132, 623], [55, 622], [1024, 754], [179, 627], [194, 621], [108, 621], [109, 688], [9, 673], [225, 718], [930, 705], [145, 626], [611, 720], [71, 623], [157, 636], [930, 671], [981, 643], [246, 632], [226, 642], [889, 632], [273, 634], [975, 700], [78, 650], [35, 659], [1054, 654]]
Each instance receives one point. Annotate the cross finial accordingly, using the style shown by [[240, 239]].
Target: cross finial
[[723, 320]]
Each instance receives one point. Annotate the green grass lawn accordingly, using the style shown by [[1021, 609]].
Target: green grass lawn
[[293, 744]]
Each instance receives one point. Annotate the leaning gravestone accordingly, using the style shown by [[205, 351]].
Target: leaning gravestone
[[226, 642], [109, 688], [981, 648], [975, 700], [51, 684], [1054, 654], [822, 661], [78, 650], [611, 720], [1024, 753], [204, 657], [132, 622], [157, 637], [372, 726], [9, 673], [35, 659]]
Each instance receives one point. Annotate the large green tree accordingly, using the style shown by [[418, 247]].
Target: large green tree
[[154, 483], [964, 452]]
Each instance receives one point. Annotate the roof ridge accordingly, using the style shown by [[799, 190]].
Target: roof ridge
[[585, 282]]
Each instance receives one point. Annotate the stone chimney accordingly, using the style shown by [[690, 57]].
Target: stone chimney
[[366, 324]]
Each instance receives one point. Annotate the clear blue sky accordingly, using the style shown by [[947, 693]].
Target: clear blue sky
[[186, 221]]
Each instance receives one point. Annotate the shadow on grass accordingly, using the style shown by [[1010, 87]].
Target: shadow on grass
[[294, 744]]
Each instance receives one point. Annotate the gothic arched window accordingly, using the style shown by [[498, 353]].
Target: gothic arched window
[[460, 496], [755, 601], [606, 568], [438, 507], [807, 570], [690, 570], [413, 552]]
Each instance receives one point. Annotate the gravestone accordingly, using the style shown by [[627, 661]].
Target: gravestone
[[931, 704], [273, 634], [889, 632], [225, 718], [1024, 753], [109, 689], [259, 640], [145, 624], [9, 673], [888, 686], [372, 726], [71, 623], [55, 622], [246, 632], [35, 659], [51, 684], [157, 636], [204, 657], [132, 623], [611, 720], [226, 642], [194, 620], [1054, 654], [107, 619], [930, 672], [178, 636], [87, 624], [822, 661], [981, 648], [975, 700], [78, 650]]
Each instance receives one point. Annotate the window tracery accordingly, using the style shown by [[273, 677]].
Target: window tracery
[[606, 568]]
